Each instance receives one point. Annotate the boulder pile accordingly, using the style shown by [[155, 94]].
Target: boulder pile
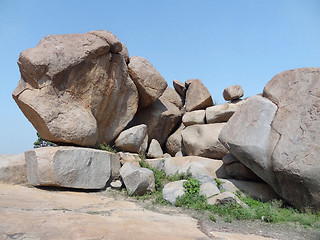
[[82, 91]]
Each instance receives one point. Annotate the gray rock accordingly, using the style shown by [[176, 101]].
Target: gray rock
[[195, 165], [194, 117], [155, 150], [166, 155], [173, 143], [148, 80], [133, 140], [73, 90], [112, 40], [171, 191], [256, 190], [202, 140], [197, 96], [179, 154], [203, 178], [180, 88], [157, 163], [209, 189], [225, 198], [13, 169], [229, 158], [239, 171], [70, 167], [138, 181], [129, 157], [233, 92], [249, 136], [223, 112]]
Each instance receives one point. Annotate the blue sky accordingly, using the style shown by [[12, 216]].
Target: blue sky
[[222, 42]]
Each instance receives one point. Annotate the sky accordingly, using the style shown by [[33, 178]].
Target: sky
[[221, 42]]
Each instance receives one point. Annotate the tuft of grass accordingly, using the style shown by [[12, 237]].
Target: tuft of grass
[[107, 148]]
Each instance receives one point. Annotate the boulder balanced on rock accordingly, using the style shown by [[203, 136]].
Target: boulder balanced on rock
[[74, 90]]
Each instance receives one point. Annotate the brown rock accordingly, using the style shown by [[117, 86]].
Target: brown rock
[[148, 80], [197, 96], [72, 90], [13, 169], [125, 53], [233, 92], [180, 88], [223, 112], [173, 143], [112, 40], [171, 95]]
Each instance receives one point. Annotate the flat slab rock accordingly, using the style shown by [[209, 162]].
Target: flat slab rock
[[71, 167]]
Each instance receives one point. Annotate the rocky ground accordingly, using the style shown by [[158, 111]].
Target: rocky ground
[[32, 213]]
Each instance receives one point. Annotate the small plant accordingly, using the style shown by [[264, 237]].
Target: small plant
[[192, 186], [107, 148], [42, 143], [219, 183]]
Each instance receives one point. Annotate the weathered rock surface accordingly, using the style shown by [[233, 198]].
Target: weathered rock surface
[[74, 90], [79, 215], [223, 112], [133, 140], [225, 198], [125, 53], [281, 143], [233, 92], [129, 157], [148, 80], [172, 190], [197, 96], [202, 140], [195, 165], [256, 190], [13, 169], [180, 88], [229, 158], [71, 167], [161, 118], [173, 143], [194, 117], [155, 150], [249, 136], [138, 181], [112, 40], [209, 189], [173, 97]]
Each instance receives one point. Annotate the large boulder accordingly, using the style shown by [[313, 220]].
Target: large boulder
[[133, 140], [195, 165], [282, 136], [71, 167], [13, 169], [233, 92], [197, 96], [148, 80], [155, 150], [161, 118], [202, 140], [73, 90], [138, 181]]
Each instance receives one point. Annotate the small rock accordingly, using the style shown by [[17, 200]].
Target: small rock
[[129, 157], [223, 112], [233, 92], [173, 97], [225, 198], [155, 150], [157, 163], [174, 141], [166, 155], [138, 181], [134, 139], [178, 154], [116, 184], [209, 189], [171, 191], [194, 117]]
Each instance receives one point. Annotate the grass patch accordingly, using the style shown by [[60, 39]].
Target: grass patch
[[107, 147]]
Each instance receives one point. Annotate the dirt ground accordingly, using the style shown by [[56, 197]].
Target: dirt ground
[[28, 213]]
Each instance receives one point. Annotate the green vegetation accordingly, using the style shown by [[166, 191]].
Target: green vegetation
[[42, 143], [107, 147], [273, 212]]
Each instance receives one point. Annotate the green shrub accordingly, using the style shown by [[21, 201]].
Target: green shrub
[[107, 147], [43, 143]]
